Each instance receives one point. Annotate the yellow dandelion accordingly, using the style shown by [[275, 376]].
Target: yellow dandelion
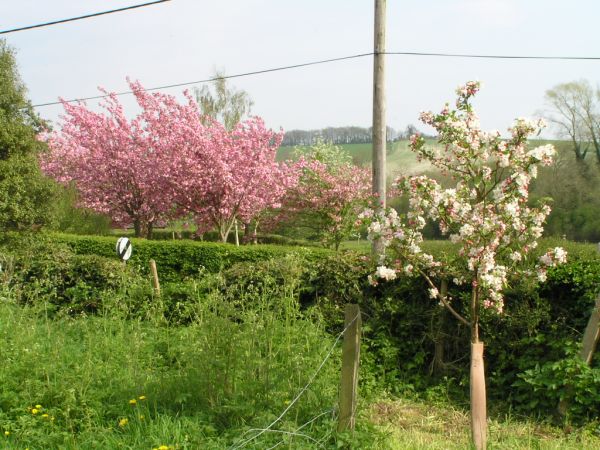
[[124, 421], [38, 406], [132, 402], [45, 416], [142, 397], [7, 433], [34, 411], [163, 447]]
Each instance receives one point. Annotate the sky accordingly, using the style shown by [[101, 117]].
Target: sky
[[186, 40]]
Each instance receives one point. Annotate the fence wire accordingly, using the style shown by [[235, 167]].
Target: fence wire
[[261, 431]]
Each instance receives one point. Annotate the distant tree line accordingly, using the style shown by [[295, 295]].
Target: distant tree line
[[342, 135]]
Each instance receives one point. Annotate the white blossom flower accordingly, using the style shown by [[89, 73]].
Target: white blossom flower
[[386, 273]]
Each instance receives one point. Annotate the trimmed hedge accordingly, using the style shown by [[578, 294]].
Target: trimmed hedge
[[213, 236], [179, 259]]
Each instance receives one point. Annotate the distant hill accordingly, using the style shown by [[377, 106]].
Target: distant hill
[[399, 157]]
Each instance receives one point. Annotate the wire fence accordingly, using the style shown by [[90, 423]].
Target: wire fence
[[242, 442]]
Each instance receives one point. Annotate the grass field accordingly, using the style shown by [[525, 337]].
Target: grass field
[[400, 159]]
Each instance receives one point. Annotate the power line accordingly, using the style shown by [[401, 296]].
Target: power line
[[225, 77], [325, 61], [461, 55], [87, 16]]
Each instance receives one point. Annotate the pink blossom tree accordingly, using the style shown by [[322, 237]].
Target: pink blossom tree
[[234, 175], [165, 163], [487, 215], [329, 195], [127, 169]]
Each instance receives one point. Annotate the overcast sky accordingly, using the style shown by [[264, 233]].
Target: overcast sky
[[185, 40]]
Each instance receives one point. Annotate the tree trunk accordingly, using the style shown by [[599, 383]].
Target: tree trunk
[[225, 229], [477, 379], [478, 397], [438, 367], [149, 230], [137, 227], [246, 236]]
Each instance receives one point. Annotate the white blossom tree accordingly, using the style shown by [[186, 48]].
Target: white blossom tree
[[486, 214]]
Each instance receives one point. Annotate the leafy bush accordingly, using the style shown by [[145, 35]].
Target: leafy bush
[[179, 259], [569, 379], [410, 338]]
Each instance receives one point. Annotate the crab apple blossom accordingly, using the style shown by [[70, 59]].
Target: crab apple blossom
[[233, 175], [166, 163], [127, 169], [486, 214], [327, 197]]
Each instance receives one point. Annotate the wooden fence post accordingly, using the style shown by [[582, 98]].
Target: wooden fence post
[[155, 282], [350, 360]]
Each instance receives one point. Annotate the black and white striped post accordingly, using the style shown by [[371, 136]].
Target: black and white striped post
[[124, 248]]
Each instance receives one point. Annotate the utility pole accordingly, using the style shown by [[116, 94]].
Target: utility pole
[[379, 126]]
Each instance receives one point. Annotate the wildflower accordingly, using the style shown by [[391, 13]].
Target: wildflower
[[124, 421], [7, 433], [133, 402], [45, 416], [34, 411], [142, 397], [38, 406]]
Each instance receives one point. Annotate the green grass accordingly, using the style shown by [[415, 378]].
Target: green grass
[[415, 425], [578, 250], [399, 157], [109, 382]]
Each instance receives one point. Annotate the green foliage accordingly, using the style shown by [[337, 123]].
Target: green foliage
[[109, 382], [226, 105], [71, 219], [60, 276], [179, 259], [325, 152], [403, 327], [43, 272], [25, 194], [568, 379]]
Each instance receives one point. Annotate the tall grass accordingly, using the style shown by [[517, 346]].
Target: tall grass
[[110, 381]]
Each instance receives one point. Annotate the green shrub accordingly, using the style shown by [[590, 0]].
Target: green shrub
[[569, 379], [179, 259], [403, 327]]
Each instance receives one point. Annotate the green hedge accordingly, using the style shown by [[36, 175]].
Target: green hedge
[[179, 259], [528, 348]]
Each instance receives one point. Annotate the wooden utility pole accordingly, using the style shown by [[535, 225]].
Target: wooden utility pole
[[379, 126]]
